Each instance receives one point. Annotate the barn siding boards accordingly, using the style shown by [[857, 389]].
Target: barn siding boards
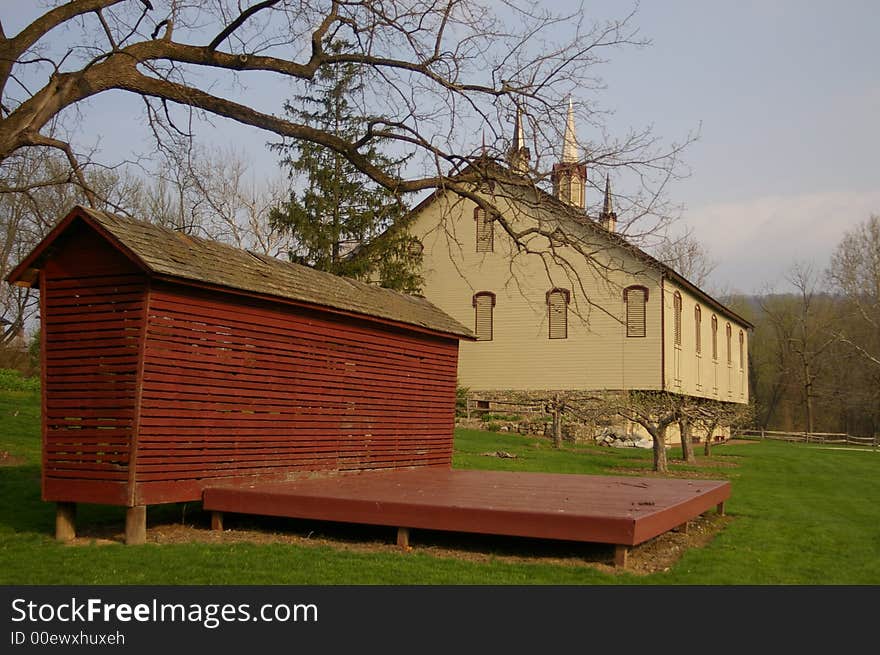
[[154, 387], [90, 371], [700, 375], [596, 353], [309, 394]]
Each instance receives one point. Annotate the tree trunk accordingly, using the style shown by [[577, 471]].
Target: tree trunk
[[557, 423], [707, 449], [659, 436], [687, 446]]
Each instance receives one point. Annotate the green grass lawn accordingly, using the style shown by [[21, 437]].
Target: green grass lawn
[[799, 516]]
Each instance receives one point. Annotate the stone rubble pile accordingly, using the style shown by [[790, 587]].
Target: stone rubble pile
[[615, 440]]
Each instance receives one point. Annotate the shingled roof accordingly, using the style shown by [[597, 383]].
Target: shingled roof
[[167, 253]]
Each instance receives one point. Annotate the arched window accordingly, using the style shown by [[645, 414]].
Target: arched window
[[635, 297], [698, 329], [577, 192], [742, 349], [484, 304], [557, 313], [485, 230], [714, 337], [676, 318], [728, 332]]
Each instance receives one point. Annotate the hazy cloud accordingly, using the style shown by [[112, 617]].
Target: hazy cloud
[[756, 241]]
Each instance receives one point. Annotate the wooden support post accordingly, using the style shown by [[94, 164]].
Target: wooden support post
[[720, 508], [620, 554], [217, 521], [65, 521], [683, 528], [403, 537], [136, 525]]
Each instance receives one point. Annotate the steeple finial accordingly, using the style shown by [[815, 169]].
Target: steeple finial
[[608, 217], [518, 155], [569, 141], [519, 139], [607, 207]]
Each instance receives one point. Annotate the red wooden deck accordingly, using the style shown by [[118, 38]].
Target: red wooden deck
[[625, 511]]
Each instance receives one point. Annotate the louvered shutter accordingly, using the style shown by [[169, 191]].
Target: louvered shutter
[[676, 303], [729, 347], [698, 329], [485, 233], [483, 307], [635, 312], [714, 338], [557, 309]]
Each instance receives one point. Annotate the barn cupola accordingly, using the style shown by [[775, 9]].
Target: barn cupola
[[570, 176], [608, 217], [518, 155]]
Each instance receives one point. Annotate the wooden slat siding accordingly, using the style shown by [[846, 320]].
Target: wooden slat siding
[[92, 308], [237, 388]]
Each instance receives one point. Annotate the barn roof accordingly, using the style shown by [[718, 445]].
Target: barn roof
[[519, 188], [167, 253]]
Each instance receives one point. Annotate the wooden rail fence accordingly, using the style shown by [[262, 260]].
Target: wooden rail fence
[[810, 437]]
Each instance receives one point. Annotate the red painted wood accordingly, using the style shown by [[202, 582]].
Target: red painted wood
[[288, 388], [617, 510], [175, 387], [90, 295]]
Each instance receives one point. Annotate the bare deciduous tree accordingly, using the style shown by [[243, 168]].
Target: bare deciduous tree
[[855, 274], [803, 327], [437, 74], [27, 215], [653, 410], [688, 257]]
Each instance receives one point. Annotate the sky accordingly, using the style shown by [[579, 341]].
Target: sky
[[785, 96]]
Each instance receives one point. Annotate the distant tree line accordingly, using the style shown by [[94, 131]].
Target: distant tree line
[[815, 352]]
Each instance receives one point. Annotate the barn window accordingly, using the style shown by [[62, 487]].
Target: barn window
[[635, 297], [676, 326], [484, 303], [485, 230], [557, 313], [698, 329], [742, 349], [714, 337], [727, 333]]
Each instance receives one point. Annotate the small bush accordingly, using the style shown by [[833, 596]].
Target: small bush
[[12, 380], [461, 396]]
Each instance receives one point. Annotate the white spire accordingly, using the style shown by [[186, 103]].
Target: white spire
[[519, 139], [569, 141]]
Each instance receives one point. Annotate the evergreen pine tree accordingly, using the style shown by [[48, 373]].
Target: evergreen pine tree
[[342, 221]]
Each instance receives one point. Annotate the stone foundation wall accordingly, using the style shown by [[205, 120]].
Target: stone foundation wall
[[530, 413]]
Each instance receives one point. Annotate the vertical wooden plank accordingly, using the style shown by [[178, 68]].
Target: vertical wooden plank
[[136, 525], [720, 509], [403, 537], [65, 521], [621, 552], [133, 495], [44, 387], [217, 521]]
